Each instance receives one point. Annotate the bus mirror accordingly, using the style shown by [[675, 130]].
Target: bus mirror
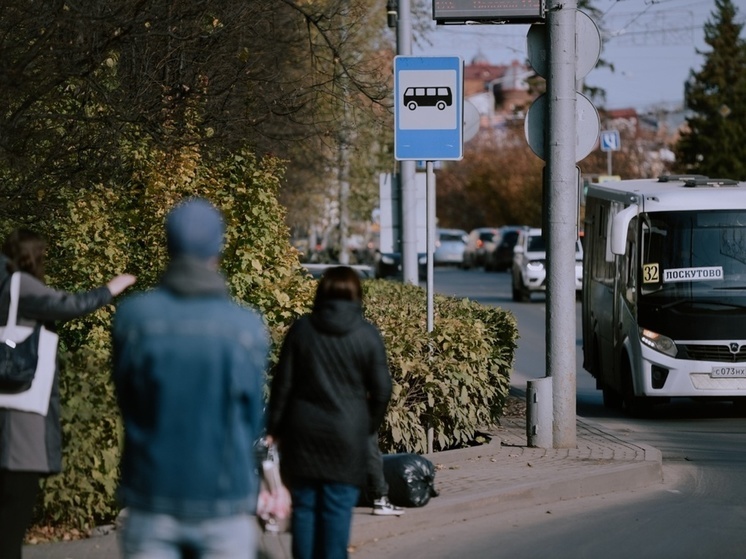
[[619, 227]]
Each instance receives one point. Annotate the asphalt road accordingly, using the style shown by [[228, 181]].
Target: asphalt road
[[698, 512]]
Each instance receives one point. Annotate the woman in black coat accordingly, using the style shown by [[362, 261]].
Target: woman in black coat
[[328, 395]]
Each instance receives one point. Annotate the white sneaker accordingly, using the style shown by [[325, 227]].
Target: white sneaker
[[383, 507]]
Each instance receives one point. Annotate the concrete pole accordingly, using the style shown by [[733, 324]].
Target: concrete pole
[[561, 219], [539, 413], [407, 169]]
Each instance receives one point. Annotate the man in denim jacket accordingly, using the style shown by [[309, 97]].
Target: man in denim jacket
[[188, 370]]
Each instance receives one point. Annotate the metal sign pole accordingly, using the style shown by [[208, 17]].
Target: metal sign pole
[[430, 242]]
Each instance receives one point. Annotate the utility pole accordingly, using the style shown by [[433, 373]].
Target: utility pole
[[407, 169], [562, 127], [561, 218]]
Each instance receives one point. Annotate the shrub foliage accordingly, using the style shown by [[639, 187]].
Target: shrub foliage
[[452, 380]]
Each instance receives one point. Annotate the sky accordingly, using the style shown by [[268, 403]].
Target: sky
[[652, 45]]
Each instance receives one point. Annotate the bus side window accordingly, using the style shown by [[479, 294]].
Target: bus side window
[[603, 268], [631, 262]]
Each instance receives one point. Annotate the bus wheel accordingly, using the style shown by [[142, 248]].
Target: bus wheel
[[635, 406], [612, 399]]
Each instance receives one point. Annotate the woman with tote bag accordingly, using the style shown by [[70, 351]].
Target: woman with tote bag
[[329, 395], [30, 443]]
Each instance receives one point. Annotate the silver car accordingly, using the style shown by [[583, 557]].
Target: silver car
[[449, 247]]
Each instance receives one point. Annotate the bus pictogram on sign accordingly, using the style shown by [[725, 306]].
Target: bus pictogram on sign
[[439, 97]]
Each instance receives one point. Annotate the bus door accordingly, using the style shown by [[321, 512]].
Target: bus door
[[625, 307], [600, 309]]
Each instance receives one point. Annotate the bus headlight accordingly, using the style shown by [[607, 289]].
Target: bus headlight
[[658, 342]]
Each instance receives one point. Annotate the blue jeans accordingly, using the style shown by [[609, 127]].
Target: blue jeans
[[147, 535], [322, 518]]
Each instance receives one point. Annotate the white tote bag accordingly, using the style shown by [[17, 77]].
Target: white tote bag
[[36, 398], [274, 507]]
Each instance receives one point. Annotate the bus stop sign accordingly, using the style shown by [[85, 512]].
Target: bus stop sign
[[428, 108], [610, 140]]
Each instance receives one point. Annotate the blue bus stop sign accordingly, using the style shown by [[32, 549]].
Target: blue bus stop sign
[[428, 108], [610, 140]]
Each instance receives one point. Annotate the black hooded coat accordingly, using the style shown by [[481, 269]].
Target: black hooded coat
[[329, 392]]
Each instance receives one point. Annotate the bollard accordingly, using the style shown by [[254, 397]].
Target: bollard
[[539, 413]]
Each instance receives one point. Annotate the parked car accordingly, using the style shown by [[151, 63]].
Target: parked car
[[480, 243], [529, 265], [449, 247], [388, 264], [500, 259], [317, 270]]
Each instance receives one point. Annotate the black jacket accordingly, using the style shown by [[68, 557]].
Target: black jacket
[[330, 390]]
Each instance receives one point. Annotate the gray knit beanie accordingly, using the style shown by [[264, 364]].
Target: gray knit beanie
[[195, 228]]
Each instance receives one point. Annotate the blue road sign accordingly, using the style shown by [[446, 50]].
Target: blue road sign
[[428, 108], [610, 140]]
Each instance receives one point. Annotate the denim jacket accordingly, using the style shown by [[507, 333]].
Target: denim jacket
[[189, 368]]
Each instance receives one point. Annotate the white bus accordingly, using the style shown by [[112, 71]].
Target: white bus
[[664, 290]]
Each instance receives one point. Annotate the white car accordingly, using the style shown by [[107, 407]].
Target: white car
[[529, 265]]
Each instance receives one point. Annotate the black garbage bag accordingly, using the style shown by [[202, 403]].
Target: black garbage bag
[[411, 479]]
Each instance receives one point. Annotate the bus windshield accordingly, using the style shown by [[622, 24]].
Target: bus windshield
[[686, 255]]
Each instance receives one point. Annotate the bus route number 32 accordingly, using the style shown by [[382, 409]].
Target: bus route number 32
[[651, 273]]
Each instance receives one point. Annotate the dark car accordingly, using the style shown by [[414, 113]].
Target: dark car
[[480, 243], [501, 257], [388, 264]]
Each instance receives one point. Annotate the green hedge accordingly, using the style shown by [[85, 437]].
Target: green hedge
[[453, 380]]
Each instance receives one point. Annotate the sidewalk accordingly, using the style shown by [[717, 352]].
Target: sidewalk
[[469, 481]]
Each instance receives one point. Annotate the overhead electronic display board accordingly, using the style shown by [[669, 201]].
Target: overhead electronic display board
[[499, 11]]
